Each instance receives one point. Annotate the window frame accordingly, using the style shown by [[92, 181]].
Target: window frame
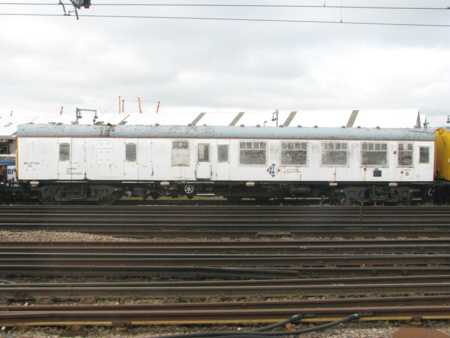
[[292, 149], [130, 155], [332, 148], [421, 154], [220, 157], [205, 156], [401, 152], [64, 154], [253, 150], [371, 148]]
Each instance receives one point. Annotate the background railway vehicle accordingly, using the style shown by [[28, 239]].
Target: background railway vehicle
[[102, 163], [442, 165], [10, 188]]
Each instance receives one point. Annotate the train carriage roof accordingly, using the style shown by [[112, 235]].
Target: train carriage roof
[[143, 131]]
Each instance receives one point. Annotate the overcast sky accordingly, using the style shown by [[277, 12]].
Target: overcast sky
[[295, 58]]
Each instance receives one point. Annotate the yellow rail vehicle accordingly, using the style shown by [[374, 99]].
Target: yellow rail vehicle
[[442, 154]]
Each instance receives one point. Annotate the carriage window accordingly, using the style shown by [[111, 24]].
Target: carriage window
[[203, 152], [222, 152], [424, 155], [293, 152], [405, 154], [180, 153], [64, 152], [252, 153], [374, 153], [334, 153], [130, 152], [4, 148]]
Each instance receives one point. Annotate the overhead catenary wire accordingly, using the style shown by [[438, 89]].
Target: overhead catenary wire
[[234, 19], [233, 5], [237, 18]]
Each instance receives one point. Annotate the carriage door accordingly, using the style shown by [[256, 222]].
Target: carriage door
[[144, 160], [71, 159], [203, 171]]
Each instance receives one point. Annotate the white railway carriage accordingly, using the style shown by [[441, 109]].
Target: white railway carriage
[[103, 163]]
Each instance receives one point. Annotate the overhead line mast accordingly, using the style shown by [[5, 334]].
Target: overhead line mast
[[77, 4]]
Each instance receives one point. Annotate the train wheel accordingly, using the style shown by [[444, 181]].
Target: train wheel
[[189, 189], [405, 196], [113, 199], [351, 196], [338, 198], [44, 200]]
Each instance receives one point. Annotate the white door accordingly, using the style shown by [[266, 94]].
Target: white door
[[203, 171], [71, 159], [144, 160], [78, 159]]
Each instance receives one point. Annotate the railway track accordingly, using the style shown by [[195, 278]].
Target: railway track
[[260, 214], [265, 265], [232, 222], [351, 286], [213, 313], [225, 260], [237, 230], [387, 246], [249, 259], [421, 297]]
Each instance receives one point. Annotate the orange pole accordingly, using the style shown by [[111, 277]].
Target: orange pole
[[140, 107]]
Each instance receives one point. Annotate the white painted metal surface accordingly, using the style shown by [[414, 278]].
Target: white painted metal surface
[[171, 153]]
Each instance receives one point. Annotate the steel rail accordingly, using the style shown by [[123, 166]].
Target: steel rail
[[290, 304], [216, 272], [233, 291], [220, 210], [225, 243], [92, 317], [227, 260], [250, 247], [247, 283], [223, 218], [237, 230]]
